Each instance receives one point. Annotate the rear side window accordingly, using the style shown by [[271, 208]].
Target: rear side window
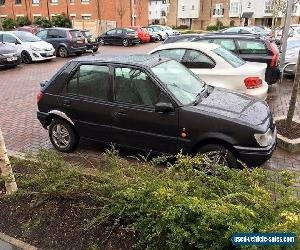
[[196, 60], [119, 32], [111, 32], [42, 34], [176, 54], [62, 34], [226, 44], [229, 57], [53, 34], [91, 81], [76, 34], [251, 47]]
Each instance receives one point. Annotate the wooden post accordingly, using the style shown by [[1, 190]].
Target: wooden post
[[5, 168]]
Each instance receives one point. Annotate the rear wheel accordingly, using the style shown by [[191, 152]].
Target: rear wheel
[[218, 154], [26, 58], [62, 52], [125, 42], [62, 135]]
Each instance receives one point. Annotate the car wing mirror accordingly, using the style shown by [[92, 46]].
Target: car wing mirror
[[17, 42], [163, 107]]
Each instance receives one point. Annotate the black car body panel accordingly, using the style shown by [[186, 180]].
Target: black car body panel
[[72, 39], [9, 56], [116, 36], [233, 43], [223, 116]]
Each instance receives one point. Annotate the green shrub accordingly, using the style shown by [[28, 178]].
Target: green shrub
[[22, 21], [61, 21], [188, 205], [8, 23], [182, 27], [42, 21]]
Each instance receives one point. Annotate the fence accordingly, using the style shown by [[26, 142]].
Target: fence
[[96, 27]]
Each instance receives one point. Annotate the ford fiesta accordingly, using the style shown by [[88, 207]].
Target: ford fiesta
[[146, 102]]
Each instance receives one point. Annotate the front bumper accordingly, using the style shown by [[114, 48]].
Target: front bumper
[[255, 157], [42, 55], [5, 63], [92, 45], [77, 49]]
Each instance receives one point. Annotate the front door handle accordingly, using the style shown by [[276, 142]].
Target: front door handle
[[67, 102]]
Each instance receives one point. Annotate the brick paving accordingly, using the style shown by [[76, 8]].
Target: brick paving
[[23, 132]]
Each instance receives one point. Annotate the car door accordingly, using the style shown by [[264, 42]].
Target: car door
[[87, 100], [119, 36], [53, 38], [135, 122], [110, 36]]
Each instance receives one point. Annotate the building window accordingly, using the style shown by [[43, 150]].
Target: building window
[[35, 1], [2, 2], [72, 1], [219, 10], [18, 2], [268, 7], [53, 1], [86, 17], [235, 8], [182, 7], [193, 7], [85, 1]]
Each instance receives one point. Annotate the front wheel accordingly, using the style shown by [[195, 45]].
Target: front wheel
[[26, 58], [62, 135], [125, 42], [219, 155]]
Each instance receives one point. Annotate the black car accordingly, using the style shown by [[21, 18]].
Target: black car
[[91, 42], [65, 41], [147, 102], [249, 47], [9, 56], [120, 36]]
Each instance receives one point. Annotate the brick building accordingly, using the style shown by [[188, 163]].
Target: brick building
[[124, 12]]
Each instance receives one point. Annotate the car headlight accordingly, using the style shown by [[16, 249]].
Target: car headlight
[[35, 48], [265, 139]]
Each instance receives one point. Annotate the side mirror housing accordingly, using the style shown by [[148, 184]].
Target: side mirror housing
[[17, 42], [163, 107]]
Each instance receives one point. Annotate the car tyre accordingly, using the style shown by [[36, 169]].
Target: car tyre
[[218, 154], [26, 58], [125, 42], [63, 52], [78, 53], [95, 50], [101, 42], [62, 135]]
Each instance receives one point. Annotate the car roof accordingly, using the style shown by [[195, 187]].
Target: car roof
[[230, 35], [189, 45], [60, 28], [142, 60]]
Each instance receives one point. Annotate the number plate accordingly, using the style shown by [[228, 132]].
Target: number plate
[[9, 59], [49, 54]]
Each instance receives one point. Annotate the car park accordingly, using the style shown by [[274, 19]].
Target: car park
[[31, 47], [143, 34], [91, 42], [153, 36], [66, 41], [120, 36], [249, 47], [150, 103], [157, 29], [9, 56], [218, 67]]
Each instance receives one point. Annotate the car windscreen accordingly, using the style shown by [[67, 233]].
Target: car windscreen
[[229, 57], [26, 36], [76, 34], [179, 80], [259, 30], [134, 28]]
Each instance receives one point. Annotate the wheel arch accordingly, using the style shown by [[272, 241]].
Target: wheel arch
[[60, 115]]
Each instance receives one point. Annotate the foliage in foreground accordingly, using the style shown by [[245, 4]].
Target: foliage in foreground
[[183, 206]]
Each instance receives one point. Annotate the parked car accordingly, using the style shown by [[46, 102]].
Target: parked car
[[143, 34], [172, 32], [153, 36], [147, 103], [66, 41], [249, 47], [182, 38], [294, 32], [157, 29], [291, 57], [9, 56], [218, 67], [120, 36], [91, 42], [254, 30], [33, 29], [32, 48]]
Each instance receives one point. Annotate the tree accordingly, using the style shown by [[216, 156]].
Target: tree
[[43, 22], [61, 21], [121, 10], [8, 23], [5, 168], [22, 21]]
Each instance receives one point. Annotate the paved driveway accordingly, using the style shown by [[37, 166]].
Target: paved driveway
[[23, 132]]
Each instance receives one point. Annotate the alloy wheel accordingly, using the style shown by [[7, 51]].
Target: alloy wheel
[[62, 52], [61, 136], [26, 58], [125, 42], [217, 158]]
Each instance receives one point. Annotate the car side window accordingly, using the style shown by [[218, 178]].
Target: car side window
[[7, 38], [226, 44], [251, 47], [53, 34], [119, 32], [111, 32], [197, 60], [90, 80], [62, 34], [232, 30], [176, 54], [42, 34], [135, 87]]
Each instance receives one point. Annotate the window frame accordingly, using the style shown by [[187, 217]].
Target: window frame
[[187, 51], [75, 70], [235, 51], [239, 48]]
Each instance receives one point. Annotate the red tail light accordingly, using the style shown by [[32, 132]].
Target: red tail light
[[253, 82], [39, 96], [274, 61]]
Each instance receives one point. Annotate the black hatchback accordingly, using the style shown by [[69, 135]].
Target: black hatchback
[[121, 36], [251, 48], [150, 103], [9, 56]]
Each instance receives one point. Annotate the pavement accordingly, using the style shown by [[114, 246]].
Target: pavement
[[23, 132]]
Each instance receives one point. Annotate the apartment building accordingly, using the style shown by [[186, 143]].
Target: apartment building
[[158, 11], [124, 12]]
